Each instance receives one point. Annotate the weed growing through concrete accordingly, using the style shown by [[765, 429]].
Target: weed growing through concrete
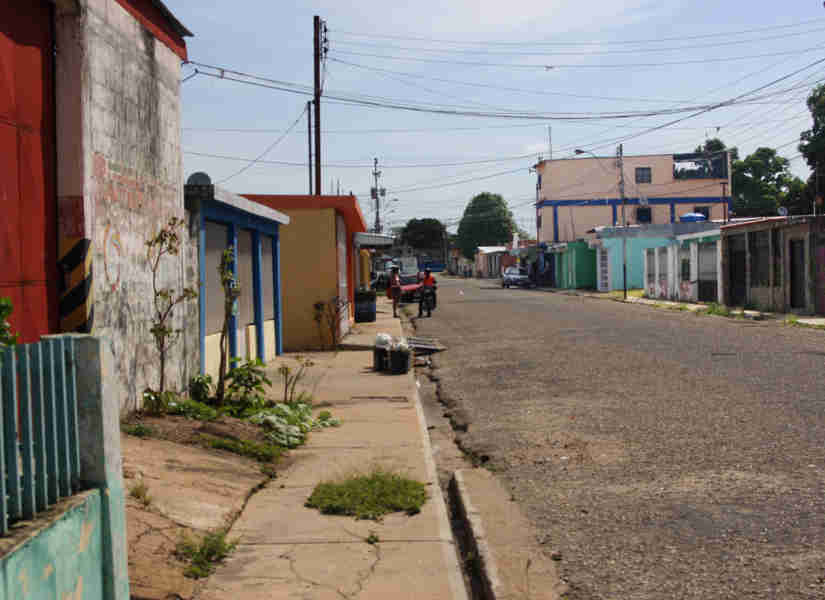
[[718, 309], [205, 553], [138, 430], [792, 320], [369, 496], [258, 451], [372, 538], [140, 492]]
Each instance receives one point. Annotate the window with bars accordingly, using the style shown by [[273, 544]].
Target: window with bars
[[643, 214], [651, 265], [644, 175]]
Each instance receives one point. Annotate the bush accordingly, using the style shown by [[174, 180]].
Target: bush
[[369, 496], [192, 409], [288, 424], [246, 391], [156, 404], [138, 430], [200, 388]]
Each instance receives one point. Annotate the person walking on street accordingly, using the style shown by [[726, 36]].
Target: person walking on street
[[395, 290]]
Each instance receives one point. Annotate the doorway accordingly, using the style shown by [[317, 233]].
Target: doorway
[[798, 274]]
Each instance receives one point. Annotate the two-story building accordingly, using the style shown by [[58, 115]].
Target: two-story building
[[577, 195]]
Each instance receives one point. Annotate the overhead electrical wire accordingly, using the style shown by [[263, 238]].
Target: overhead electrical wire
[[580, 42], [486, 52], [548, 67], [267, 150]]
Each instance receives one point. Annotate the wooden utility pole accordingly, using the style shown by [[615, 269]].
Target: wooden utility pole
[[316, 26], [620, 163], [309, 143]]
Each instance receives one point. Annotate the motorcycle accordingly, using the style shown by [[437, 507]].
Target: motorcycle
[[426, 301]]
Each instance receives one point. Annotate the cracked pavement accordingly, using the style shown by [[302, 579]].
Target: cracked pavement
[[286, 550]]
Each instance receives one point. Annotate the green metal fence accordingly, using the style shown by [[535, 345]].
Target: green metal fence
[[39, 452]]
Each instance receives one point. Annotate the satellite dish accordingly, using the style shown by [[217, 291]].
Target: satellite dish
[[783, 211]]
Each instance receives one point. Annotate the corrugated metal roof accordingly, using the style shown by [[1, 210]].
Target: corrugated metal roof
[[491, 249]]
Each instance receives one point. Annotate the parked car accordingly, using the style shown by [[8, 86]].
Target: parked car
[[513, 276]]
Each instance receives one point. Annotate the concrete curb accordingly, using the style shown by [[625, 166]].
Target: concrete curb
[[476, 540], [455, 574]]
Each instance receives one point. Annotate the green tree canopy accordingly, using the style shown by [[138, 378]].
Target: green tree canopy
[[714, 145], [486, 222], [761, 183], [812, 144], [423, 233]]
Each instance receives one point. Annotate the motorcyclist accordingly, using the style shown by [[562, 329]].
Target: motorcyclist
[[428, 287]]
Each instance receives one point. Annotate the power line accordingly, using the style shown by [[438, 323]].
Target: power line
[[265, 152], [548, 67], [575, 43], [486, 52]]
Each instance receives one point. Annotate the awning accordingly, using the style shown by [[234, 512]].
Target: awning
[[374, 240]]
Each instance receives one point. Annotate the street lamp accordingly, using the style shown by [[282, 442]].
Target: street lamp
[[620, 164]]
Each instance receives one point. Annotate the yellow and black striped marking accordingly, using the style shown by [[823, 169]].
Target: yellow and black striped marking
[[76, 297]]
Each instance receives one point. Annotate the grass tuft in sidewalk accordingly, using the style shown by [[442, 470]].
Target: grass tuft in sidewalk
[[369, 496], [203, 554]]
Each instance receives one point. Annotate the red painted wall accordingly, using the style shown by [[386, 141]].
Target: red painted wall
[[28, 210]]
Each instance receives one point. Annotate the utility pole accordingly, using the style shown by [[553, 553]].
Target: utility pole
[[320, 49], [309, 143], [376, 194], [725, 198], [620, 163]]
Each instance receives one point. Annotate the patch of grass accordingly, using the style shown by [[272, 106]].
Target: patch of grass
[[792, 320], [192, 409], [205, 553], [372, 538], [262, 452], [268, 469], [138, 430], [718, 309], [636, 293], [140, 492], [369, 496]]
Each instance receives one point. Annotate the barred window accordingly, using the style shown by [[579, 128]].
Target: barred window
[[644, 175], [651, 265]]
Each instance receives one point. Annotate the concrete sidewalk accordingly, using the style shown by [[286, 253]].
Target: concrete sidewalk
[[286, 550]]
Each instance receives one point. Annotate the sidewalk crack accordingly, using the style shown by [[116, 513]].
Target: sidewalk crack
[[292, 567]]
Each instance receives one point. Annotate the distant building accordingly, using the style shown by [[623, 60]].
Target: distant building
[[578, 195]]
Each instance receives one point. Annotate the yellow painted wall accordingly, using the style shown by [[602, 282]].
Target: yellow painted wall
[[269, 340], [309, 273], [212, 360]]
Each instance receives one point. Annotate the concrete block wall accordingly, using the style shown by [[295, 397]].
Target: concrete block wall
[[127, 86]]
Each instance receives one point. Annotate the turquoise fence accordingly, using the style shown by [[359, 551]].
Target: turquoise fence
[[39, 451]]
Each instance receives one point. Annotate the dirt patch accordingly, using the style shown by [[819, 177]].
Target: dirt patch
[[182, 430]]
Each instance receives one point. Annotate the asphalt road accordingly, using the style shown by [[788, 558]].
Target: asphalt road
[[664, 454]]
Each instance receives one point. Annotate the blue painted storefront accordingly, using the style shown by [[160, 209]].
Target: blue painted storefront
[[236, 219], [635, 259]]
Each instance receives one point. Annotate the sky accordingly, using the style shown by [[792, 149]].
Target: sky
[[572, 66]]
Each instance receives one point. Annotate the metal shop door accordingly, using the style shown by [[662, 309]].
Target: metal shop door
[[708, 282], [737, 263], [798, 274], [28, 206]]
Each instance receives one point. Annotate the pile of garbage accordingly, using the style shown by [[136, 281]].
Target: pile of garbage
[[391, 354]]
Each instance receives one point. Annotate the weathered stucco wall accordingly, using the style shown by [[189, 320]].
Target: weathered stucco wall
[[309, 273], [127, 84], [61, 560]]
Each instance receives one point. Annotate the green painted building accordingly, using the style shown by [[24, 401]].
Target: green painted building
[[575, 265]]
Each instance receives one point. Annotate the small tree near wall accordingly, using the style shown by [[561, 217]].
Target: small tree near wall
[[231, 292], [166, 242]]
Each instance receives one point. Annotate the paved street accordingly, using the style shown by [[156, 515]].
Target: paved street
[[663, 454]]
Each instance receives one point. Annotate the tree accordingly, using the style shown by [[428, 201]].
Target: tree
[[714, 145], [812, 144], [231, 292], [166, 242], [799, 197], [761, 183], [486, 222], [423, 233]]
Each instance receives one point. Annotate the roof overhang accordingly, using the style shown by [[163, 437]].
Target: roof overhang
[[194, 194], [375, 240], [346, 206]]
